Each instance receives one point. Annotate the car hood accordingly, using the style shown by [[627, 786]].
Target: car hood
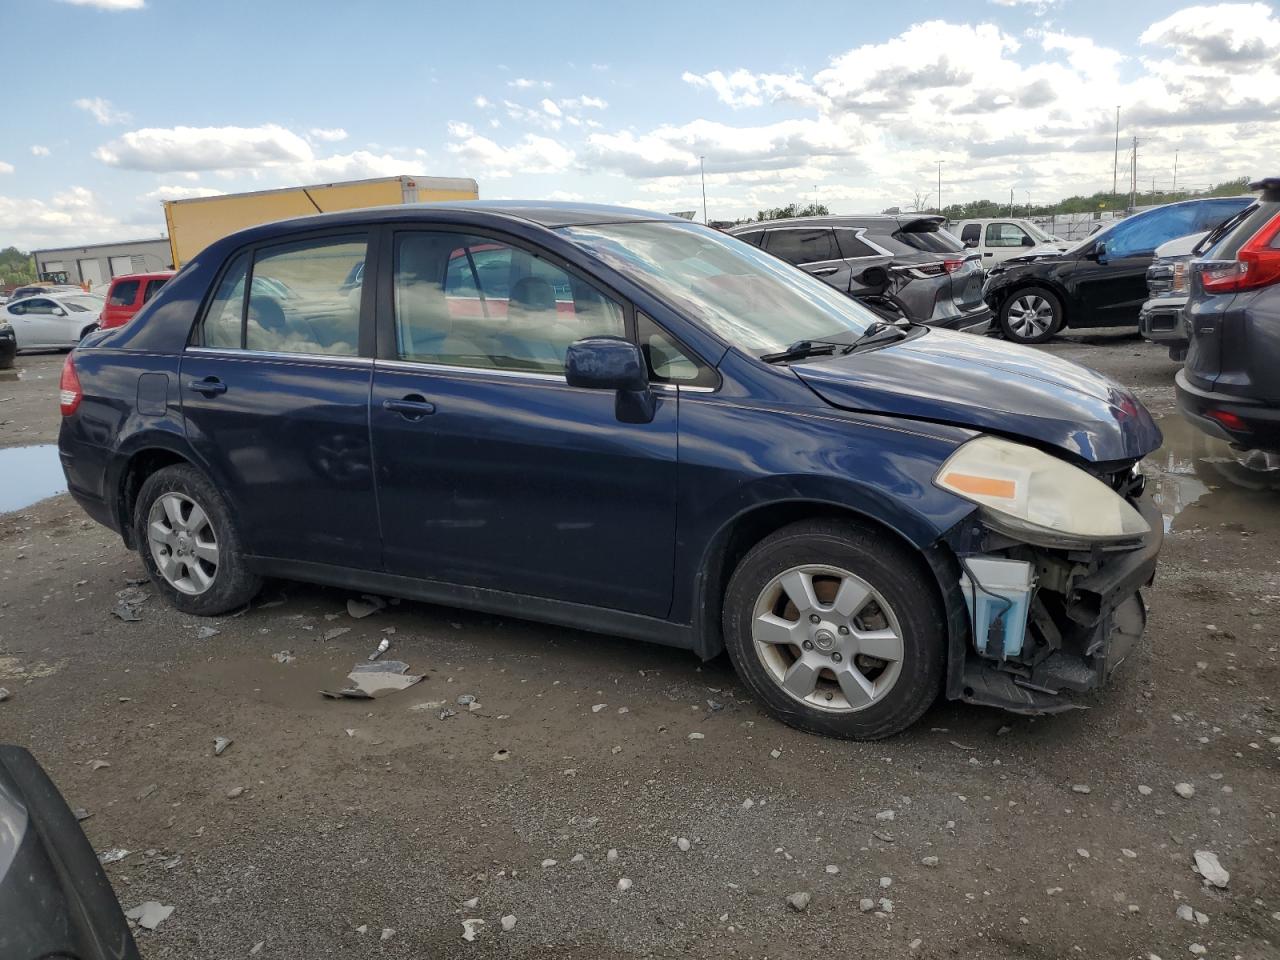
[[970, 381]]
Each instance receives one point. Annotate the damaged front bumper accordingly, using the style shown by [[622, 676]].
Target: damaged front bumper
[[1085, 616]]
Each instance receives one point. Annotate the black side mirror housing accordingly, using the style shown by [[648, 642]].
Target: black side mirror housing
[[1099, 252], [613, 363], [1027, 241]]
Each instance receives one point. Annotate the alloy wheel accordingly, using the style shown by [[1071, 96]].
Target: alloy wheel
[[827, 638], [183, 543], [1030, 316]]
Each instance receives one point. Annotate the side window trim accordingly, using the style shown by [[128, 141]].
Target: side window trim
[[708, 378]]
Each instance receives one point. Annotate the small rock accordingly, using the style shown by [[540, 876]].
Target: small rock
[[150, 914], [930, 861], [886, 883], [206, 633], [1082, 852], [577, 858], [1129, 853], [502, 754], [220, 745], [549, 863], [697, 736], [335, 633], [387, 932], [886, 905], [4, 694], [471, 904], [612, 855], [596, 708], [799, 902], [684, 844], [1144, 790], [1185, 912], [775, 754], [362, 929], [624, 885], [1207, 866], [81, 814], [257, 948], [748, 803], [1198, 949], [508, 923], [1185, 790], [1081, 788], [234, 792], [866, 904], [98, 765], [470, 928], [885, 816], [914, 945], [832, 869]]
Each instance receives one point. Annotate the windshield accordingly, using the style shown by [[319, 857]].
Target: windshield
[[1037, 233], [1093, 237], [747, 297], [83, 303]]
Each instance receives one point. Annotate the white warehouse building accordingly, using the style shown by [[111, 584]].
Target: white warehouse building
[[97, 263]]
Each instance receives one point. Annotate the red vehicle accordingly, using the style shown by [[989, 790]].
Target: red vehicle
[[128, 293]]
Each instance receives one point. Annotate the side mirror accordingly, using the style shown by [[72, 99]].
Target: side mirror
[[874, 277], [59, 312], [612, 363], [1027, 241], [1099, 252]]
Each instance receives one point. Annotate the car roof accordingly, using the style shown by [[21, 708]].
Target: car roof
[[146, 275], [839, 220]]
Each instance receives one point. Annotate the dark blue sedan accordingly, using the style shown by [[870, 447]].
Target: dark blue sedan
[[630, 424]]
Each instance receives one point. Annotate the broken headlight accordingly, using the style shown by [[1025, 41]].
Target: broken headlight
[[1035, 497]]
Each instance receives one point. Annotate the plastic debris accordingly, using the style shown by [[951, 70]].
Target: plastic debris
[[114, 855], [98, 764], [207, 633], [335, 633], [150, 914], [1211, 870], [371, 680], [127, 612], [383, 646], [220, 745], [697, 736], [466, 700], [81, 814], [4, 694], [366, 606], [284, 656], [470, 928]]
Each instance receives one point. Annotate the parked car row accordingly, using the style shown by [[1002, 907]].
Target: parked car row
[[57, 318]]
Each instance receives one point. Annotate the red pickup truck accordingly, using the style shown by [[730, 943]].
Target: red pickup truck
[[128, 293]]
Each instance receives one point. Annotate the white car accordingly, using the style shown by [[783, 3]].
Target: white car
[[53, 321], [1000, 239]]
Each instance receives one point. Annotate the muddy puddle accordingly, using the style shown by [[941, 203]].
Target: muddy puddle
[[1199, 481], [29, 475]]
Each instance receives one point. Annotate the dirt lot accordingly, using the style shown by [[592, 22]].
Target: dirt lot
[[359, 816]]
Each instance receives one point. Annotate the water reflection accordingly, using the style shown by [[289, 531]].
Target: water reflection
[[1192, 468], [28, 475]]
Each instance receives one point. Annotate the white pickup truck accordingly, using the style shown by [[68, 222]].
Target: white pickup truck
[[999, 239]]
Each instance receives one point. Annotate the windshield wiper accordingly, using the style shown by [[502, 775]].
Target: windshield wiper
[[802, 349], [878, 333]]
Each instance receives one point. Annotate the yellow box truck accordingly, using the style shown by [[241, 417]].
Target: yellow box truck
[[196, 223]]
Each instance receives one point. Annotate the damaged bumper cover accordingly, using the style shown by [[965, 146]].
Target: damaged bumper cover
[[1085, 617]]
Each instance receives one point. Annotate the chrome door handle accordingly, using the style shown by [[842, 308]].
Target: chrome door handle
[[208, 386], [412, 407]]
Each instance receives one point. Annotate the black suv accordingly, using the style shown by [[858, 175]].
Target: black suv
[[1230, 385], [906, 266], [1102, 280]]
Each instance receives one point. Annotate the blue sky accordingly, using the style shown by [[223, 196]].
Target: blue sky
[[129, 101]]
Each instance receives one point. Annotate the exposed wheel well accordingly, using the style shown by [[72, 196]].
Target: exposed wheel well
[[140, 466], [748, 529]]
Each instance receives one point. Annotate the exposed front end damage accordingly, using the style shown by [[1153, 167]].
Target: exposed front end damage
[[1084, 615]]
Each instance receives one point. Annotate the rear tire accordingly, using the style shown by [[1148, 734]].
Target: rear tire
[[190, 545], [1031, 315], [861, 655]]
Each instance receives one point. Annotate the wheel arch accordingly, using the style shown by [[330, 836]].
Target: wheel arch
[[746, 528], [131, 471], [1005, 294]]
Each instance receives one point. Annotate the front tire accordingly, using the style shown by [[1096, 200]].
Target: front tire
[[1031, 315], [190, 545], [837, 629]]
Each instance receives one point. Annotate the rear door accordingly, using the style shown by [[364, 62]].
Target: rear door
[[275, 397], [814, 250], [493, 473], [121, 300]]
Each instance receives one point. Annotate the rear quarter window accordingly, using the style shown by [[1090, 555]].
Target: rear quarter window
[[929, 241]]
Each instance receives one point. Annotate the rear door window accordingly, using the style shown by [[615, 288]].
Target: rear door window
[[753, 237], [124, 293], [300, 300], [800, 246], [852, 246], [153, 287], [928, 238], [1140, 235]]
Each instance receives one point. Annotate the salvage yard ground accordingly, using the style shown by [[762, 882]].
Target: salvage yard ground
[[362, 828]]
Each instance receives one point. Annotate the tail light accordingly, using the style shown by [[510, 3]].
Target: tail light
[[951, 266], [69, 392], [1257, 264], [1228, 419]]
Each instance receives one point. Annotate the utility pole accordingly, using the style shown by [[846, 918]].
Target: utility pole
[[1175, 174], [703, 170], [1115, 163], [1028, 193], [1011, 202], [940, 163], [1133, 175]]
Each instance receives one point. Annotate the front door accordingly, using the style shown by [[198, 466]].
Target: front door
[[493, 472], [275, 397]]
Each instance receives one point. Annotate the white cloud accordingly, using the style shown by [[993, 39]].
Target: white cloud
[[523, 83], [71, 216], [1225, 33], [102, 110], [205, 148], [328, 135], [109, 4], [583, 102], [531, 154], [38, 151], [6, 168], [483, 102], [549, 107], [176, 192]]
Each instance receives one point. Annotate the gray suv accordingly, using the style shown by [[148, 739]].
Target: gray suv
[[900, 266]]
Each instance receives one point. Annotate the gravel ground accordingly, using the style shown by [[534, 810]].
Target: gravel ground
[[1009, 837]]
